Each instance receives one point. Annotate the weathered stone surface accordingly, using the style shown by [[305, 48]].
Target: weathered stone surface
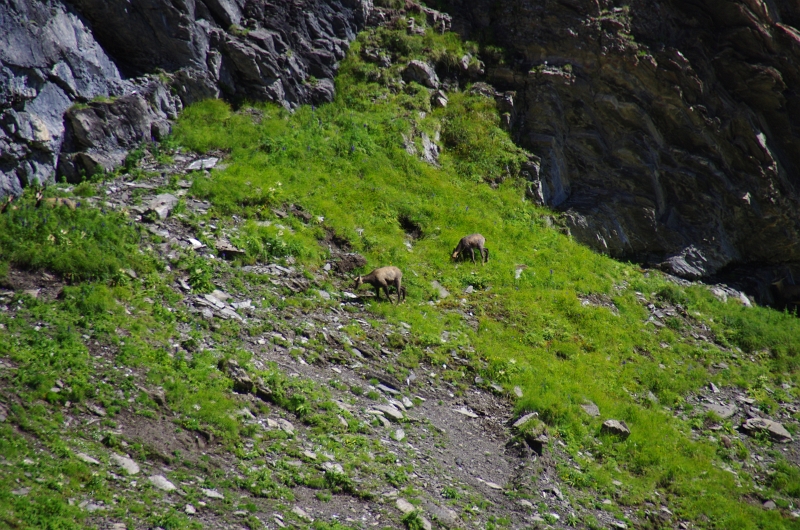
[[162, 205], [617, 428], [404, 506], [241, 380], [723, 411], [160, 482], [302, 514], [440, 290], [125, 463], [390, 411], [591, 409], [522, 420], [775, 430], [86, 458], [422, 73], [669, 133], [56, 54], [212, 494]]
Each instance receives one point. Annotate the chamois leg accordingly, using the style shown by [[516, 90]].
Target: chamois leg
[[486, 259], [397, 288], [386, 288], [472, 253]]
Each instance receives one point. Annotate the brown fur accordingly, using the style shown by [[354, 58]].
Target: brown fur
[[53, 202], [382, 278], [787, 292], [470, 243]]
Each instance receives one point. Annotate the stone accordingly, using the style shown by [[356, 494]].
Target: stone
[[3, 413], [440, 290], [241, 380], [333, 467], [299, 512], [422, 73], [439, 99], [522, 420], [723, 411], [97, 410], [713, 388], [162, 205], [203, 163], [160, 482], [125, 463], [443, 515], [212, 494], [430, 152], [286, 426], [389, 411], [399, 435], [190, 510], [518, 391], [86, 458], [769, 505], [404, 506], [494, 486], [617, 428], [591, 409], [466, 412], [227, 250], [775, 430]]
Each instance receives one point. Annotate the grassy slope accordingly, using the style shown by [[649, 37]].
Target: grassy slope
[[345, 162]]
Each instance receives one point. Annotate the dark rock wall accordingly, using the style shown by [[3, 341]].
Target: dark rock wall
[[130, 66], [668, 130], [48, 59]]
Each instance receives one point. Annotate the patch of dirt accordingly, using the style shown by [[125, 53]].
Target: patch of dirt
[[39, 284], [410, 227], [346, 263]]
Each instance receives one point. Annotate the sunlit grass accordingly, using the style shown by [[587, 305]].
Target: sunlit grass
[[345, 163]]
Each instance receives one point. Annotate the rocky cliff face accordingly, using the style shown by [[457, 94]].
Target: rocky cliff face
[[83, 81], [668, 131]]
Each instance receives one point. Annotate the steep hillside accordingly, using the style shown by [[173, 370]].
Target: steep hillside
[[182, 345]]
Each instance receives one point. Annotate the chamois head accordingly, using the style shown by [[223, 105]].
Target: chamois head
[[358, 282]]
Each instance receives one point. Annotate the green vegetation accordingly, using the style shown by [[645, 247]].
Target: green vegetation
[[539, 325], [81, 244]]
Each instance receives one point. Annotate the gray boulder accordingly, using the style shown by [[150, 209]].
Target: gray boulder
[[775, 430], [422, 73], [617, 428]]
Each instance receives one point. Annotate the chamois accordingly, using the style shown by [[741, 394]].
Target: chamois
[[471, 242], [53, 201], [382, 278], [787, 292], [6, 204]]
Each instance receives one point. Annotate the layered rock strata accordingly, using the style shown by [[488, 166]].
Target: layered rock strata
[[669, 132]]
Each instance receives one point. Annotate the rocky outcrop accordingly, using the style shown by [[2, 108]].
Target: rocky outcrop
[[83, 81], [669, 132], [48, 59]]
